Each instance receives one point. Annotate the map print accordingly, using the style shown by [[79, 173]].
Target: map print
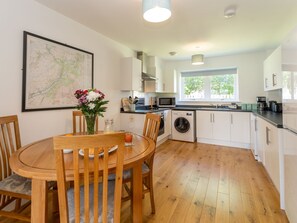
[[54, 73]]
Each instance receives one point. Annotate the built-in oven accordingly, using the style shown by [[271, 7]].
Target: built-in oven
[[166, 102], [162, 123]]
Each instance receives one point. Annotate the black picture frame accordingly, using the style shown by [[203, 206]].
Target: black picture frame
[[52, 72]]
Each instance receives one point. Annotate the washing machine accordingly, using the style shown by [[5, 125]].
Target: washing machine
[[183, 125]]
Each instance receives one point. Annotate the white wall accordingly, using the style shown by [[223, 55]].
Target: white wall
[[19, 15], [250, 71]]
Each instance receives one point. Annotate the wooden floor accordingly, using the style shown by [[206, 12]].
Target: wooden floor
[[205, 183]]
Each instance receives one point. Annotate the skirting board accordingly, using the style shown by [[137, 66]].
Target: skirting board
[[224, 143]]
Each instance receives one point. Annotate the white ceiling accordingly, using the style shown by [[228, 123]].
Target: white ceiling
[[258, 24]]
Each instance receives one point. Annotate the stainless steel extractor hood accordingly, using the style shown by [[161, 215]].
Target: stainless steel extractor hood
[[145, 75]]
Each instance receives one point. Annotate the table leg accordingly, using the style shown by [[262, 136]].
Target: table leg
[[137, 193], [39, 201]]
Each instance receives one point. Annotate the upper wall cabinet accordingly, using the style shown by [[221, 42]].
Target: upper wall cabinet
[[169, 81], [131, 74], [273, 71]]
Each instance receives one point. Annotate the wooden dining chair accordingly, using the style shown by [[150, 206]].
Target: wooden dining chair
[[13, 188], [97, 199], [150, 130], [79, 122]]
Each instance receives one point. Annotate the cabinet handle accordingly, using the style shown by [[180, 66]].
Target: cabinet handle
[[273, 79], [266, 80], [213, 118], [210, 116], [231, 119], [267, 136]]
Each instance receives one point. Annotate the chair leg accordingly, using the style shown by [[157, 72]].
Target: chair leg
[[17, 204], [152, 198]]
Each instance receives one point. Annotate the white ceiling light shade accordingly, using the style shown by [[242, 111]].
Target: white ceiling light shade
[[230, 12], [156, 10], [197, 59]]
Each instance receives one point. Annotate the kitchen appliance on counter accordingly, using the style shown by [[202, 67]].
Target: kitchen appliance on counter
[[167, 102], [271, 105], [261, 103], [277, 107]]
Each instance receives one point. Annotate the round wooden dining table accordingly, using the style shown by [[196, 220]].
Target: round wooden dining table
[[37, 161]]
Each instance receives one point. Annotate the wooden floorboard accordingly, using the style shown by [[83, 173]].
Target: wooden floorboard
[[197, 182]]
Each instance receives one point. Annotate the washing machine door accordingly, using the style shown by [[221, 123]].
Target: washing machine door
[[182, 125]]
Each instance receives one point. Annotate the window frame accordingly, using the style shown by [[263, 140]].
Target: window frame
[[209, 72]]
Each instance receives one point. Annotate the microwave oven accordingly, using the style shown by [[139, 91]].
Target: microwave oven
[[166, 102]]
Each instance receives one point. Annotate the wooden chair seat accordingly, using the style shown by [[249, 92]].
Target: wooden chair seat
[[127, 173], [16, 184], [110, 202]]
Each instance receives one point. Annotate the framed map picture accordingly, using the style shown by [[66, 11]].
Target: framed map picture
[[52, 72]]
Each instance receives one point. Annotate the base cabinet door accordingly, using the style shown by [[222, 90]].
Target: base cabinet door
[[271, 154], [268, 149], [261, 136], [221, 126], [240, 127], [204, 124], [290, 176], [132, 122], [213, 125]]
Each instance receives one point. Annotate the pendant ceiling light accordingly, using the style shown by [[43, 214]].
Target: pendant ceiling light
[[197, 59], [156, 10]]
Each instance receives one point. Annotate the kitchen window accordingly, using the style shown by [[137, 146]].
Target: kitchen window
[[209, 85]]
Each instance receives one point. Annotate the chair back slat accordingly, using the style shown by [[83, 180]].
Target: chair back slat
[[151, 130], [151, 126], [91, 145], [79, 122], [9, 142]]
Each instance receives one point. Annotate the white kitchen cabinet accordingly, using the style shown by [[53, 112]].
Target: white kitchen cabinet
[[261, 136], [213, 125], [240, 127], [132, 122], [221, 125], [204, 124], [253, 135], [273, 71], [169, 81], [271, 154], [268, 149], [223, 128], [131, 74], [290, 176]]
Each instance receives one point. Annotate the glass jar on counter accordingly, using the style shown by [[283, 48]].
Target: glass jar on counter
[[108, 125]]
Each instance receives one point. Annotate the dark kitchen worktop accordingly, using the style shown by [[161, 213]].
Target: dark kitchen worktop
[[146, 110], [273, 118]]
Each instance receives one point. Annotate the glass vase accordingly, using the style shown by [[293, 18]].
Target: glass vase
[[90, 120]]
